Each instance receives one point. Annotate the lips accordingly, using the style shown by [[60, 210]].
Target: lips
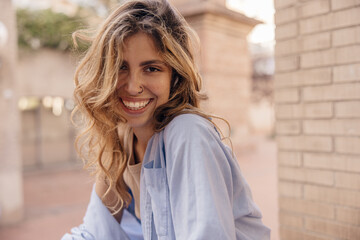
[[136, 105]]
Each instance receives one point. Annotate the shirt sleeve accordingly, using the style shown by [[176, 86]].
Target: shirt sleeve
[[200, 182], [98, 223]]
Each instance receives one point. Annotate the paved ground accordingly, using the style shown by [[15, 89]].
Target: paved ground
[[259, 166], [56, 198]]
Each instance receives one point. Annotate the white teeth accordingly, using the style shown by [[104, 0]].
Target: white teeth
[[136, 105]]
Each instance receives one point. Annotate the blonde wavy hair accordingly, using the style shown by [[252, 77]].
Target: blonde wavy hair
[[106, 143]]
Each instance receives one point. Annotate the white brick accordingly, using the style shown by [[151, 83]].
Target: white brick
[[290, 111], [347, 127], [299, 111], [350, 163], [336, 4], [285, 15], [347, 73], [347, 54], [348, 215], [329, 21], [318, 58], [347, 109], [304, 207], [305, 143], [349, 145], [316, 24], [289, 158], [347, 180], [290, 233], [346, 36], [307, 175], [286, 31], [291, 220], [346, 18], [288, 79], [315, 7], [315, 41], [284, 3], [286, 47], [317, 76], [315, 236], [337, 230], [318, 110], [287, 95], [288, 127], [332, 195], [284, 64], [290, 189], [332, 92]]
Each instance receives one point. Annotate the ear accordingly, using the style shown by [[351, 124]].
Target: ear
[[174, 78], [175, 81]]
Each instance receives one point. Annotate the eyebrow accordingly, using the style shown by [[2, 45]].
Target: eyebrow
[[151, 62]]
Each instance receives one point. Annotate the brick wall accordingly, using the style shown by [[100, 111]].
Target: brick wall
[[317, 95]]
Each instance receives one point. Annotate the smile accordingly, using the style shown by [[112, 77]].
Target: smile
[[135, 105]]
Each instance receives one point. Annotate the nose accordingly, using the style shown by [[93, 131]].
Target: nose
[[133, 84]]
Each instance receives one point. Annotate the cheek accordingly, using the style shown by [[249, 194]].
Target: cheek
[[120, 83], [163, 93], [162, 89]]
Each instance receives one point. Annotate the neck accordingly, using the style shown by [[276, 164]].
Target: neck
[[141, 138]]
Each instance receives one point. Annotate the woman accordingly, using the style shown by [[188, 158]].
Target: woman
[[159, 160]]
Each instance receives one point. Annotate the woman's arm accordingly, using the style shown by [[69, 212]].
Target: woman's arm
[[98, 223]]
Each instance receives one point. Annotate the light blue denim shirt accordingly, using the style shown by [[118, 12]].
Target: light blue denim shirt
[[191, 188]]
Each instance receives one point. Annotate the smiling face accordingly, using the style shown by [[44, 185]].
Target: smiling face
[[144, 82]]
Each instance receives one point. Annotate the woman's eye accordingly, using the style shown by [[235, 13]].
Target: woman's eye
[[123, 67], [152, 69]]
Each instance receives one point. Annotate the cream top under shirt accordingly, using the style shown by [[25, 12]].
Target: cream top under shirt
[[132, 179]]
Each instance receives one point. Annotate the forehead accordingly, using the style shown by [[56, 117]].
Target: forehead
[[140, 44]]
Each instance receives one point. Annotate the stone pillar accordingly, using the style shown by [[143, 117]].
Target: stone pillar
[[317, 96], [224, 59], [11, 185]]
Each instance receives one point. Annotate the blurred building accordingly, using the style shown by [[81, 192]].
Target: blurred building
[[317, 95], [46, 86], [262, 98], [263, 65], [11, 185]]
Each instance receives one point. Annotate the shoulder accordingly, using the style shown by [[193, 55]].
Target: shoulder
[[189, 124], [190, 130], [191, 143]]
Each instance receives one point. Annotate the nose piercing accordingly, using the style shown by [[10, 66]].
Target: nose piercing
[[141, 90]]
